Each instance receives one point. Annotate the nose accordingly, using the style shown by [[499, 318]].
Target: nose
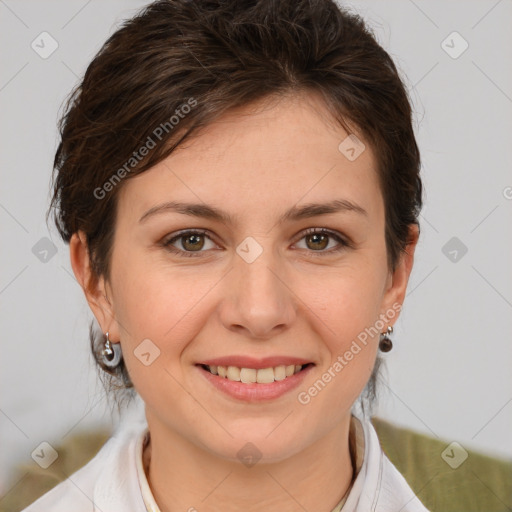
[[258, 300]]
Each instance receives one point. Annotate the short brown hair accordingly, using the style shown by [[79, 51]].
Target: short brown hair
[[219, 55]]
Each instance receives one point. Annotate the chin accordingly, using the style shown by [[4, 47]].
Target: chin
[[257, 446]]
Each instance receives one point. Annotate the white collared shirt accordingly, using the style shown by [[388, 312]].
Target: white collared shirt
[[115, 481]]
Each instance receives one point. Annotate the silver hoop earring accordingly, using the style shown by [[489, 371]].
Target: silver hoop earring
[[111, 354]]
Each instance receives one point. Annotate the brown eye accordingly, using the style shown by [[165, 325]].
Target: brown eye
[[317, 241], [189, 243], [192, 242]]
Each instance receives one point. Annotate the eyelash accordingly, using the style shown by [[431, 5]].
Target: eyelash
[[343, 244]]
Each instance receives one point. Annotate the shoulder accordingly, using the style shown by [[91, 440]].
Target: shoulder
[[107, 482], [76, 491], [395, 493], [380, 486]]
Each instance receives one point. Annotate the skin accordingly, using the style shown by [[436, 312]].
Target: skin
[[298, 298]]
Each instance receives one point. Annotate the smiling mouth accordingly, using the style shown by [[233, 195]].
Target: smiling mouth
[[253, 375]]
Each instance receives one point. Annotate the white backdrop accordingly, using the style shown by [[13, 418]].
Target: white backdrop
[[449, 372]]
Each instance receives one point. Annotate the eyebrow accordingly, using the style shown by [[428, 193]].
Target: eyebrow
[[293, 214]]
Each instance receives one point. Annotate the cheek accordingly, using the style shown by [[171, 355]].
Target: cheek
[[348, 312], [163, 305], [349, 302], [353, 346], [348, 309], [165, 309]]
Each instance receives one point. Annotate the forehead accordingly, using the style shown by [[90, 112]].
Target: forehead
[[258, 159]]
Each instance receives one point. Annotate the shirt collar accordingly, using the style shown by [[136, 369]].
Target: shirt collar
[[147, 495]]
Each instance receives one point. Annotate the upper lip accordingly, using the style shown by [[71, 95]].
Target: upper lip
[[251, 362]]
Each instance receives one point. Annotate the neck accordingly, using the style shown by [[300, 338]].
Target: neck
[[183, 476]]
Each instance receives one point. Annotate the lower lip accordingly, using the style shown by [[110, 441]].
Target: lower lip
[[255, 392]]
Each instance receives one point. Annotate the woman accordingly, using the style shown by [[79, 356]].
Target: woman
[[239, 186]]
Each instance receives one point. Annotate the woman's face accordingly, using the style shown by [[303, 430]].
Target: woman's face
[[256, 284]]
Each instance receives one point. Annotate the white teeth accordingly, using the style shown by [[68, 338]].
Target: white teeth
[[279, 373], [233, 373], [290, 369], [265, 376], [248, 375], [252, 375]]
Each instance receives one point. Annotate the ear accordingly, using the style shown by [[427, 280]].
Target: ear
[[396, 285], [93, 286]]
